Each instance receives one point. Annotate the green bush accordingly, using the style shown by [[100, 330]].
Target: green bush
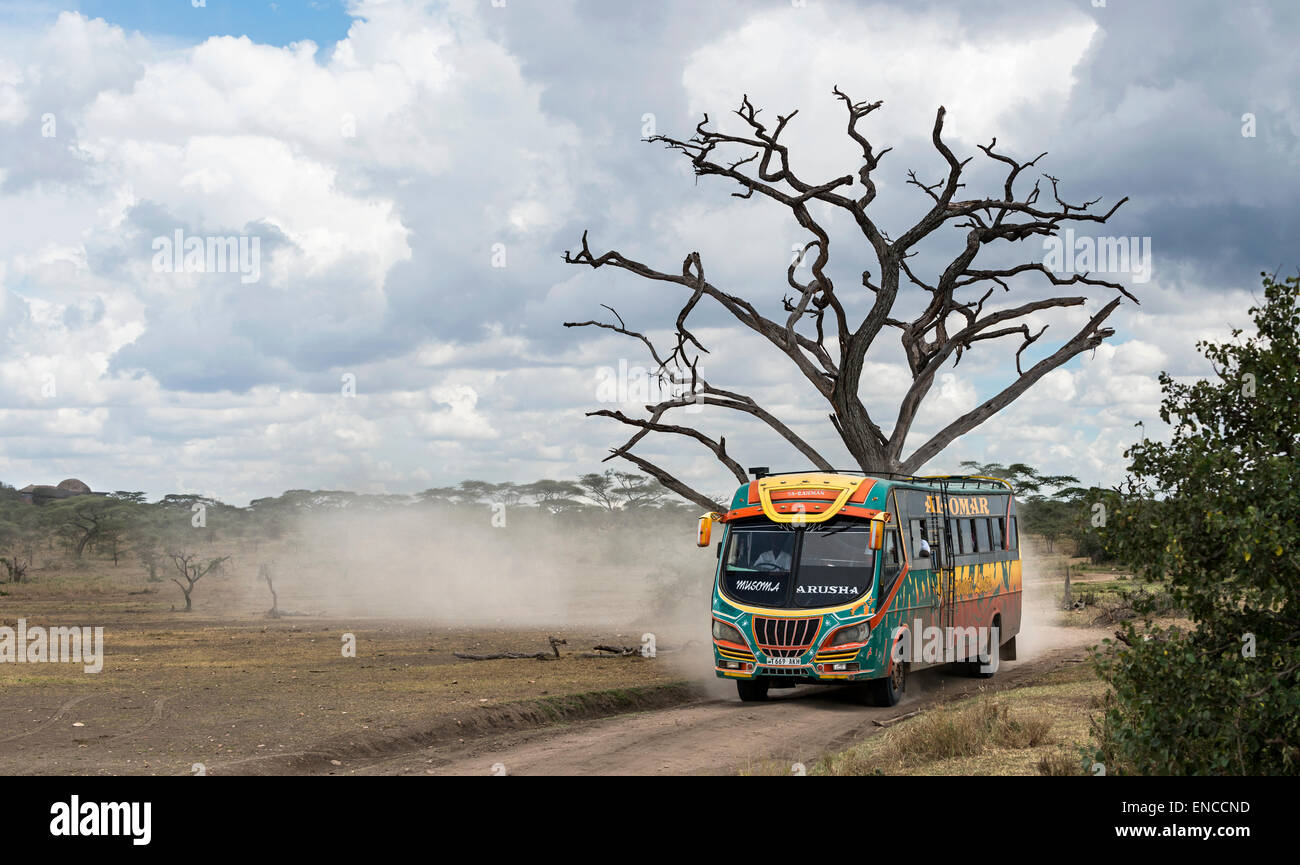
[[1214, 513]]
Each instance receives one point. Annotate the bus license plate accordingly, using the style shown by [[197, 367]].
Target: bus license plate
[[784, 662]]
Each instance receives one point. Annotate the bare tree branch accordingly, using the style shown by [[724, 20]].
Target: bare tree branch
[[1089, 337], [950, 321]]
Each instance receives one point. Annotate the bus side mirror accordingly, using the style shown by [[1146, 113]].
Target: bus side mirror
[[876, 537], [706, 530]]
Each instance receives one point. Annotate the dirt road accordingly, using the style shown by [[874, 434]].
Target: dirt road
[[718, 735]]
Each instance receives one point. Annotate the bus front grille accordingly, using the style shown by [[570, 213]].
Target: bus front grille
[[785, 638], [783, 671]]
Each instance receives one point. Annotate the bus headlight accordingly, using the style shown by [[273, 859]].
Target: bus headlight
[[723, 631], [852, 634]]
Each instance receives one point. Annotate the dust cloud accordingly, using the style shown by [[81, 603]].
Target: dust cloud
[[625, 573], [1043, 581]]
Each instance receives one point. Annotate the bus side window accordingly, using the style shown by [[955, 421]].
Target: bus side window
[[999, 532], [982, 535], [915, 529], [891, 561], [965, 537], [1015, 536]]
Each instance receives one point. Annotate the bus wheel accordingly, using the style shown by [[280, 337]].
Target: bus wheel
[[751, 690], [889, 690]]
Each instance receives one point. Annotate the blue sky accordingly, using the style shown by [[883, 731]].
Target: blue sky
[[388, 169], [272, 23]]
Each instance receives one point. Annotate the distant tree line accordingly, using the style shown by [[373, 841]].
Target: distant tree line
[[167, 537]]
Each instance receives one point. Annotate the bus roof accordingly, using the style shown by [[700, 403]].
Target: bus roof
[[815, 496]]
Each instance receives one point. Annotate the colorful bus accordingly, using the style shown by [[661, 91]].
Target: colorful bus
[[839, 578]]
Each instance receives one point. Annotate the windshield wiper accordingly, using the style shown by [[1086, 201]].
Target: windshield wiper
[[835, 530]]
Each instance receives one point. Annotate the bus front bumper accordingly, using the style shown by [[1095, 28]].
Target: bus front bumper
[[823, 666]]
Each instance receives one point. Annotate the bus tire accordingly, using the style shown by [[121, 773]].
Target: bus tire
[[751, 690], [889, 690]]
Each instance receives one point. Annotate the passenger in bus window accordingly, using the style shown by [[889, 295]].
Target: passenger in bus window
[[920, 541]]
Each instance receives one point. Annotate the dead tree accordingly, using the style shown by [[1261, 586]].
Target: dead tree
[[814, 329], [192, 569], [264, 572]]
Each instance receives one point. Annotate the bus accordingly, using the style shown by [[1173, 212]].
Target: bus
[[848, 579]]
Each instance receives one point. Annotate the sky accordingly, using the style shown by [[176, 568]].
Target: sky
[[402, 180]]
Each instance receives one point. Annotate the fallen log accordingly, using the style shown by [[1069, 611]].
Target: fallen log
[[605, 651], [517, 656], [619, 650]]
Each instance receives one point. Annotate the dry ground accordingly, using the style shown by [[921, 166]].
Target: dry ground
[[718, 735], [239, 693]]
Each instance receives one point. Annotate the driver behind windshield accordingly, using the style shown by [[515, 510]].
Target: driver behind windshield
[[773, 558]]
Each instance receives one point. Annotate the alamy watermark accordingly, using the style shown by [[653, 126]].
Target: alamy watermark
[[39, 645], [194, 253], [1067, 254], [639, 385], [935, 645], [133, 820]]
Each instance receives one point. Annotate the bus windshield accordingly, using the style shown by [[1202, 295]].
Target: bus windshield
[[757, 567], [835, 565]]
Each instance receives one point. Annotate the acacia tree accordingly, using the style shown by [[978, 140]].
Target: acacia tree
[[553, 496], [615, 490], [600, 488], [815, 330], [192, 569], [86, 520]]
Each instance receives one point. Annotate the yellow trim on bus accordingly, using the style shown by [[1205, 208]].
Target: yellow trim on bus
[[786, 613], [847, 487]]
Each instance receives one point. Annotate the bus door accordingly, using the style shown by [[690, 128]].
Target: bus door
[[891, 561], [940, 528]]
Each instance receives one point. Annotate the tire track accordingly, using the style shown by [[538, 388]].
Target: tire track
[[58, 715], [153, 719]]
